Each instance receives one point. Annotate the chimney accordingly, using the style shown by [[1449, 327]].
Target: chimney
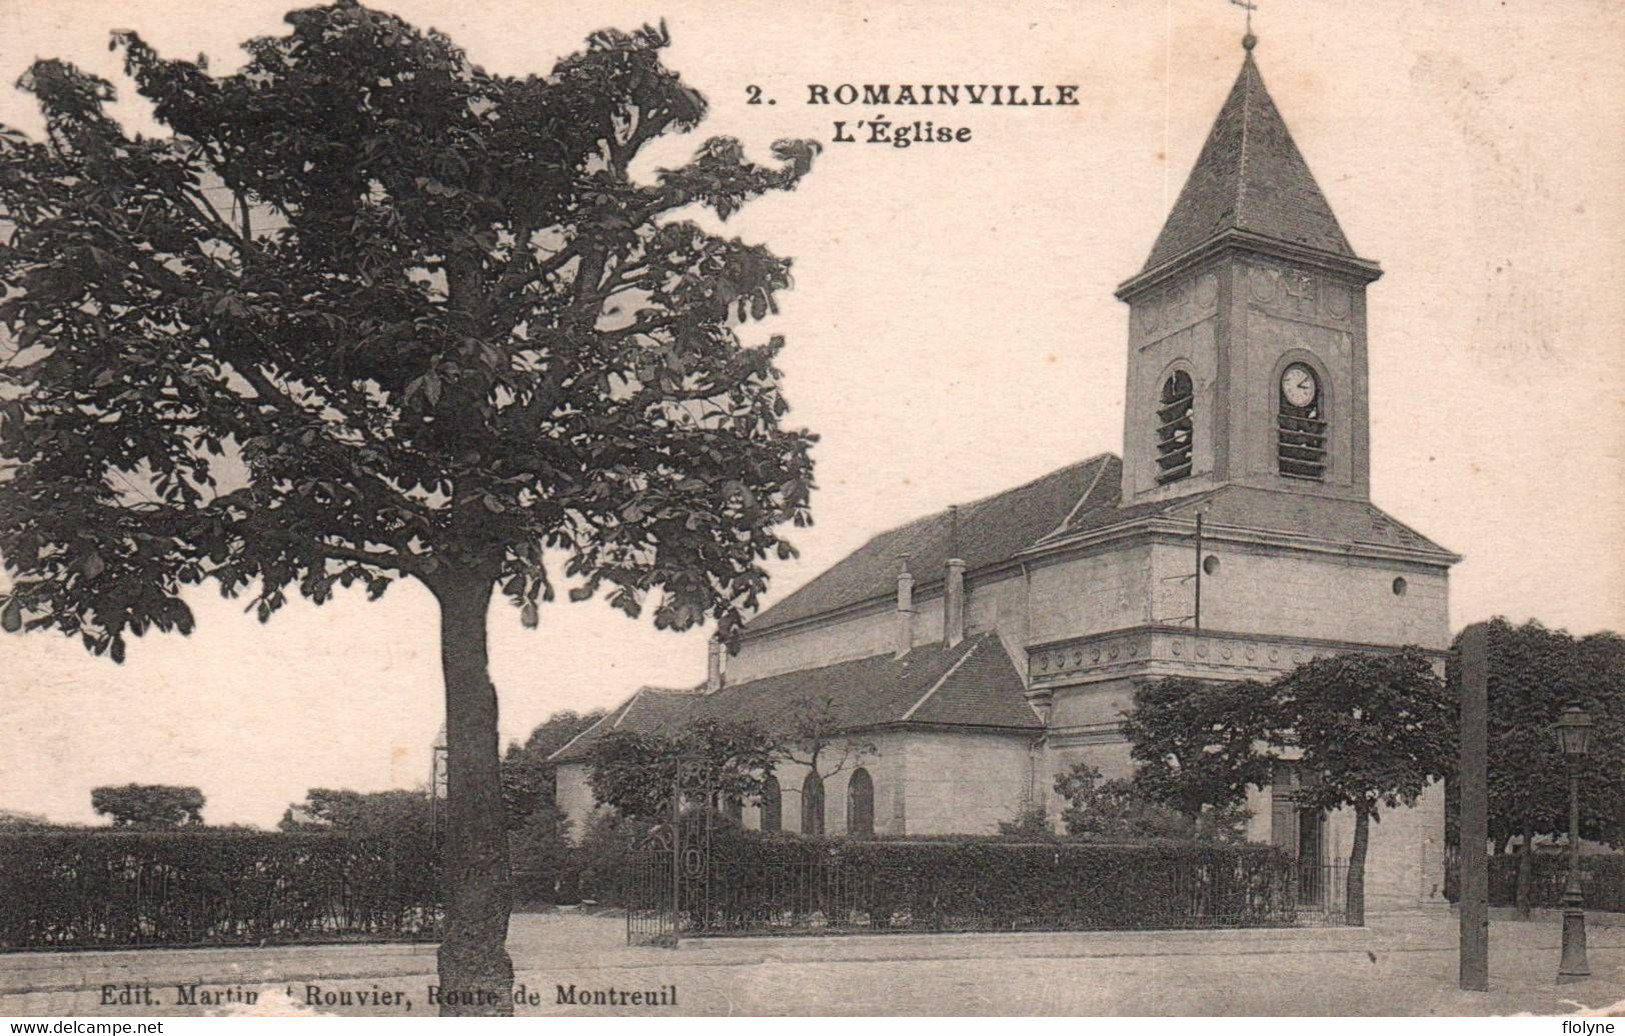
[[953, 603], [905, 609], [713, 665], [953, 587]]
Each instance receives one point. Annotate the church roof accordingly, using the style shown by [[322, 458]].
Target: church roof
[[972, 684], [990, 531], [1328, 519], [1075, 500], [1250, 177]]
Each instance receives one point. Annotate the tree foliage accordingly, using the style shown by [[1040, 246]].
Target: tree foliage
[[1369, 732], [149, 805], [367, 311], [1534, 673], [373, 311], [394, 812], [1373, 732], [1122, 811], [1199, 744], [711, 761], [529, 781]]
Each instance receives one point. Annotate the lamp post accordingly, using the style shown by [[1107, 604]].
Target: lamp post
[[1574, 735]]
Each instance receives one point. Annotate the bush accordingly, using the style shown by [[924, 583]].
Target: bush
[[1119, 811], [546, 867], [607, 843], [98, 888], [767, 883], [1030, 825]]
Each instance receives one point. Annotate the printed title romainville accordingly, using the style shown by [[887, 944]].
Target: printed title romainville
[[1004, 95]]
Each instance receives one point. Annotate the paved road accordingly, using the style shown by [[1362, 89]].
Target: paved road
[[1397, 966]]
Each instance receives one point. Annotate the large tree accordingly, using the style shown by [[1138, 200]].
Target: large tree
[[1373, 732], [1199, 744], [1534, 673], [369, 312], [149, 805]]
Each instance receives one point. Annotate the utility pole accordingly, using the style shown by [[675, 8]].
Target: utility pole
[[1473, 866]]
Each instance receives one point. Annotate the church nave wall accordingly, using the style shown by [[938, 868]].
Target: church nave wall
[[1271, 591], [1090, 594]]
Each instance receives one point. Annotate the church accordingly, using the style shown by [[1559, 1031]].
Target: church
[[976, 653]]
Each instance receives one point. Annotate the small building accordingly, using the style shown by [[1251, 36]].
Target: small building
[[980, 651]]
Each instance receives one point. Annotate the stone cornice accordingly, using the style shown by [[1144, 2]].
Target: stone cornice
[[1363, 270], [1163, 529]]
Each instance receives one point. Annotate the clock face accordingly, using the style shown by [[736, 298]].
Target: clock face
[[1299, 386]]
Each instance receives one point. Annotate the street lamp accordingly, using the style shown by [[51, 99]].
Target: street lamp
[[1574, 736]]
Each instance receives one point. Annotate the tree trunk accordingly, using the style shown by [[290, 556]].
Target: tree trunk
[[476, 974], [1526, 866], [1356, 885]]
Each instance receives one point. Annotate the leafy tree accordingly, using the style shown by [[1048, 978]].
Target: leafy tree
[[1373, 731], [711, 761], [13, 820], [371, 312], [1534, 673], [1199, 744], [529, 781], [149, 805], [393, 812]]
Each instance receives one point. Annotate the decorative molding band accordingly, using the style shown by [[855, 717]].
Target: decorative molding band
[[1089, 734], [1172, 650]]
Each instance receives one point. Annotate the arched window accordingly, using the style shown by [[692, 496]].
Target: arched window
[[1176, 411], [1300, 424], [860, 804], [772, 809], [734, 807], [812, 804]]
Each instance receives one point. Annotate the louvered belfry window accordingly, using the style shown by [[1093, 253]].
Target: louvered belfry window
[[1300, 438], [1175, 412]]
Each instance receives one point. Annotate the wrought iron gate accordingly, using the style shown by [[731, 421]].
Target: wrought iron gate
[[669, 883], [650, 917]]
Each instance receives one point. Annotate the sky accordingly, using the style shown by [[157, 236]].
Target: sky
[[952, 330]]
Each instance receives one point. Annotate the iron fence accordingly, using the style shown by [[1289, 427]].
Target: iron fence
[[1034, 891], [1602, 879], [1322, 892]]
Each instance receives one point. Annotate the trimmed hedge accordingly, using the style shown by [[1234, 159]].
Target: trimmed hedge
[[767, 884], [98, 889]]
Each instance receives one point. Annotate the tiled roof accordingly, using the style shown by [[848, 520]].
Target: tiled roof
[[972, 684], [1249, 176], [1351, 522], [990, 531]]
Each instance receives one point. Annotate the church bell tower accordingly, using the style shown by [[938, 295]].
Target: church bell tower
[[1247, 334]]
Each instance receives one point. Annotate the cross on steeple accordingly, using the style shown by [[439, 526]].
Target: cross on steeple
[[1248, 40]]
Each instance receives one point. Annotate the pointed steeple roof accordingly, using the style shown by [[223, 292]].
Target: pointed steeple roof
[[1250, 177]]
